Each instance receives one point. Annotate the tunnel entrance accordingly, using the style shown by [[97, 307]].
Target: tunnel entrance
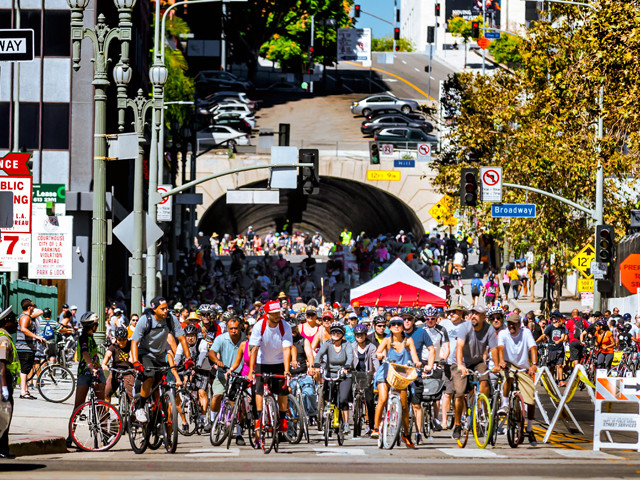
[[341, 203]]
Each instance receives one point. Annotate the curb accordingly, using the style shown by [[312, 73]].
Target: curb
[[37, 445]]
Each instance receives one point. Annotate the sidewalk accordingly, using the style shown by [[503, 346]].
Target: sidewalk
[[39, 427], [454, 59]]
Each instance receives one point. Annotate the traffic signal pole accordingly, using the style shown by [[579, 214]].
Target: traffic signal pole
[[484, 50]]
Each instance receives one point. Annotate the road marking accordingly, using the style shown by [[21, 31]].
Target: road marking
[[213, 452], [329, 451], [403, 62], [389, 80], [585, 454], [416, 69], [396, 76], [470, 453]]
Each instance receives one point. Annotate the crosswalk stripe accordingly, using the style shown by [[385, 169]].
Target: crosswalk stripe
[[329, 451], [470, 453], [583, 454], [213, 452]]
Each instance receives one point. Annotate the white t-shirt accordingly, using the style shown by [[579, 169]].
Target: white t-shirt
[[271, 343], [458, 258], [516, 349], [452, 330]]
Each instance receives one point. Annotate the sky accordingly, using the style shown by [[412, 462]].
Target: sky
[[380, 8]]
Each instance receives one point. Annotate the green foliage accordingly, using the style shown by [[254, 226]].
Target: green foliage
[[539, 124], [459, 27], [385, 44], [506, 49]]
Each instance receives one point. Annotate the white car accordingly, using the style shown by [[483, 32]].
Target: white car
[[236, 107], [215, 135], [250, 119]]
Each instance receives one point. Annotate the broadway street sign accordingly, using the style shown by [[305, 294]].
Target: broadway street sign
[[513, 210]]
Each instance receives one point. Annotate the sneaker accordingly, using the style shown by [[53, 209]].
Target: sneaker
[[562, 384], [284, 426], [457, 432], [437, 426], [208, 426], [375, 433], [532, 439], [503, 410], [407, 441], [69, 442], [240, 441], [346, 428], [141, 415], [418, 438], [312, 421]]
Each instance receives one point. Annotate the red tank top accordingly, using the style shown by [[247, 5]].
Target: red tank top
[[309, 337]]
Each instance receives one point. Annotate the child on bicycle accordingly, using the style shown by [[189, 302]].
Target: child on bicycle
[[118, 353]]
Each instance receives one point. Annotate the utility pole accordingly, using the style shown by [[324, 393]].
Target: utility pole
[[484, 50], [395, 21], [223, 39], [599, 210]]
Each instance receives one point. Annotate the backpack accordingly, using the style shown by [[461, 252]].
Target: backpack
[[47, 332], [264, 327], [475, 291], [169, 321], [577, 328]]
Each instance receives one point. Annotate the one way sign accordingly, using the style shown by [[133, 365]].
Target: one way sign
[[16, 45]]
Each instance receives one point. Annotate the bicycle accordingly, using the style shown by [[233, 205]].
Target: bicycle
[[332, 416], [55, 383], [361, 381], [269, 420], [242, 412], [66, 349], [433, 385], [220, 428], [189, 408], [123, 396], [498, 419], [515, 417], [162, 415], [391, 421], [476, 416], [304, 414], [96, 425]]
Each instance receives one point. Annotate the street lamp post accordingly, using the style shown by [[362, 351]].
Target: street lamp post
[[101, 37], [140, 106]]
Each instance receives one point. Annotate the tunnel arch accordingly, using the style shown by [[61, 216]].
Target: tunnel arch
[[341, 203]]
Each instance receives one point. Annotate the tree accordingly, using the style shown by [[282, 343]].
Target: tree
[[539, 124], [459, 27], [385, 44], [506, 50]]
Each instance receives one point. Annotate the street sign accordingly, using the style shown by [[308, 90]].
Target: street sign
[[51, 255], [164, 212], [424, 152], [443, 211], [16, 45], [48, 192], [124, 232], [383, 175], [15, 164], [582, 261], [253, 197], [585, 285], [404, 163], [15, 247], [354, 44], [491, 181], [492, 35], [513, 210], [599, 270], [284, 177], [386, 148], [21, 187], [630, 272]]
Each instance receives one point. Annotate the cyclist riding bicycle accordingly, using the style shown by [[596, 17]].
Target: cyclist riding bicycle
[[518, 349], [149, 350], [336, 358], [198, 349], [118, 353], [400, 350]]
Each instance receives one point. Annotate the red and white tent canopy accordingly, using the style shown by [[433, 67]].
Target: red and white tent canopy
[[398, 286]]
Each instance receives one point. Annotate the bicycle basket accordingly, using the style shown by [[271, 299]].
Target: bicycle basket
[[362, 380], [432, 390], [400, 376]]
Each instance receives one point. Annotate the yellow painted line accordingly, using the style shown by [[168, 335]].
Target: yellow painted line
[[556, 439], [393, 75]]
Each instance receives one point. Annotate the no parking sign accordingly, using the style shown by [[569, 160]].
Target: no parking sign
[[424, 152]]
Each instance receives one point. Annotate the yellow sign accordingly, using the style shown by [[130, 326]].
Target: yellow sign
[[443, 211], [582, 261], [383, 175], [585, 285]]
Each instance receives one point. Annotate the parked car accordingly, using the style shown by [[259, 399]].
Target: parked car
[[231, 107], [387, 111], [220, 77], [205, 110], [370, 127], [404, 137], [215, 135], [249, 119], [234, 121], [211, 100], [376, 102], [285, 87]]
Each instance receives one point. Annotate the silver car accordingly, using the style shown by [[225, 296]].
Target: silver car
[[376, 102]]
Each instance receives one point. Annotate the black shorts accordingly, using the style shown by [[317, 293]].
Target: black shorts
[[417, 387], [575, 350], [276, 385], [26, 357], [555, 358], [151, 363]]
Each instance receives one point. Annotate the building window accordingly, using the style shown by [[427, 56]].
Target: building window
[[31, 19], [55, 126], [5, 128], [29, 126], [57, 34]]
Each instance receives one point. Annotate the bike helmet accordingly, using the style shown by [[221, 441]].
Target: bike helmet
[[89, 317], [293, 322], [301, 317], [430, 311], [336, 327], [626, 317], [627, 327], [602, 322], [205, 309], [408, 312], [121, 332], [378, 320], [495, 310], [360, 328], [226, 316], [46, 313], [396, 321], [190, 330]]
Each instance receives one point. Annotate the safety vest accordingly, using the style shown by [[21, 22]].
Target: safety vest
[[13, 367]]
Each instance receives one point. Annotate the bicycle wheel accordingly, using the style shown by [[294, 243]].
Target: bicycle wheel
[[219, 428], [320, 406], [95, 426], [138, 433], [155, 431], [340, 432], [464, 424], [294, 421], [515, 420], [427, 419], [328, 424], [232, 424], [493, 434], [482, 421], [392, 423], [56, 383], [269, 431], [357, 416], [123, 409], [169, 421]]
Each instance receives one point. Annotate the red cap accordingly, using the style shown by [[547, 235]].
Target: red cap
[[336, 305], [327, 314], [272, 306]]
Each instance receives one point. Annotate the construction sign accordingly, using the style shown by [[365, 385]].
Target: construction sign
[[443, 211]]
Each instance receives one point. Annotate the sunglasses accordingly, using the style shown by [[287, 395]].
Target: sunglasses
[[395, 324]]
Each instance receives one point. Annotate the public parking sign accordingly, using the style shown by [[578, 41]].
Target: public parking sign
[[16, 45]]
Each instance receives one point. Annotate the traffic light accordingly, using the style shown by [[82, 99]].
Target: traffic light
[[437, 9], [356, 11], [396, 33], [469, 187], [374, 153], [397, 16], [604, 243], [309, 178], [284, 131], [475, 29], [431, 34], [397, 48], [310, 55]]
